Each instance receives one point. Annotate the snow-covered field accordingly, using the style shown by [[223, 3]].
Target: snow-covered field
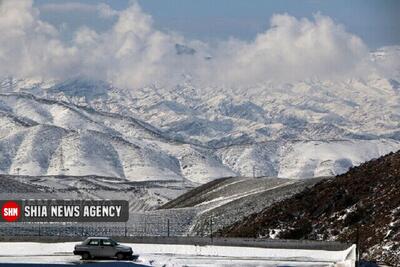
[[182, 255]]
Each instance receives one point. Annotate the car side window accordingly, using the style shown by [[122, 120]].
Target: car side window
[[106, 243], [93, 242]]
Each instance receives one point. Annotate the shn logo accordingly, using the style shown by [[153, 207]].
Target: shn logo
[[11, 211]]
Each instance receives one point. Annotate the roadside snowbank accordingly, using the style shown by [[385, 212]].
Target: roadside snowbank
[[148, 251]]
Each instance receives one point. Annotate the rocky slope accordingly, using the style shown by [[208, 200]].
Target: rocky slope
[[363, 203], [222, 202]]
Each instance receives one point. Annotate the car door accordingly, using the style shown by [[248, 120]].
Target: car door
[[107, 248], [93, 247]]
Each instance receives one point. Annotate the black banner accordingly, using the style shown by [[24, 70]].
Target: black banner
[[44, 210]]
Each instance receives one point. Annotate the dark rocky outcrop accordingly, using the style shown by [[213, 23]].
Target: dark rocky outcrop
[[362, 204]]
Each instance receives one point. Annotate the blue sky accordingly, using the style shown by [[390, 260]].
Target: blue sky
[[375, 21]]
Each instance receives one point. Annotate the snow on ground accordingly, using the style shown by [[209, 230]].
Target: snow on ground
[[179, 255]]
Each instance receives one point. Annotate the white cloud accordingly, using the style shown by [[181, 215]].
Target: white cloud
[[133, 53], [29, 46], [106, 11], [68, 7], [103, 10], [292, 49]]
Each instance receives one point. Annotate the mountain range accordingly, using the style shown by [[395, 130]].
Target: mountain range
[[196, 134]]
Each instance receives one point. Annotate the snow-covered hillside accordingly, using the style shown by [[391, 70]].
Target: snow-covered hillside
[[304, 129], [228, 201], [302, 159], [42, 137]]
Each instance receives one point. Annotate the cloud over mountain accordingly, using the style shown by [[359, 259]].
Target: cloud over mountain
[[293, 49], [133, 53]]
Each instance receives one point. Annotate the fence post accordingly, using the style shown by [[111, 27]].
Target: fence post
[[168, 227], [126, 230], [211, 228], [254, 229], [145, 225], [358, 249]]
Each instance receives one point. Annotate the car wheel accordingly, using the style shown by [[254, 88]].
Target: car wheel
[[85, 256], [120, 256]]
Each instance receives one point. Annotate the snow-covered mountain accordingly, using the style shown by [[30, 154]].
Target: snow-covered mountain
[[46, 137], [197, 134]]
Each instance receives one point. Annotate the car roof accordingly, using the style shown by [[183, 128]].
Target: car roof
[[97, 237]]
